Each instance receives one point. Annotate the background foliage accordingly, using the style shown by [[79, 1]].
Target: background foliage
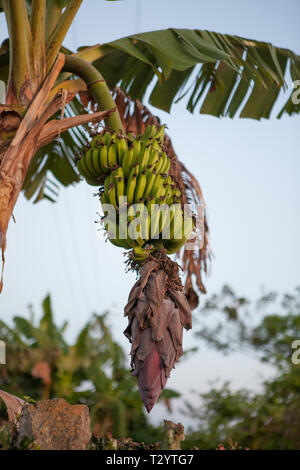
[[94, 371]]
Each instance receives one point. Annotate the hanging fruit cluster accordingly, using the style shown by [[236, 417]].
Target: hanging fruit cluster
[[137, 169], [132, 173]]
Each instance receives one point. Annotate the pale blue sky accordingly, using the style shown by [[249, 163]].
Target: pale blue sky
[[248, 171]]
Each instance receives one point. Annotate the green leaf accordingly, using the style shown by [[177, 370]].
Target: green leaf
[[236, 65], [261, 102], [164, 93], [212, 72], [223, 81]]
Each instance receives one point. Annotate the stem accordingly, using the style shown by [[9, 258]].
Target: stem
[[97, 86], [60, 31], [38, 11], [159, 244], [53, 14], [21, 74]]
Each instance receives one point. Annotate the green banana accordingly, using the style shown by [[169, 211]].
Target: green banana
[[103, 159], [172, 246], [147, 133], [122, 148], [160, 134], [81, 169], [154, 157], [96, 161], [107, 182], [157, 184], [112, 193], [136, 147], [85, 172], [155, 219], [165, 217], [112, 156], [150, 175], [88, 159], [178, 225], [127, 162], [158, 166], [167, 167], [140, 254], [120, 242], [92, 182], [140, 187], [104, 198], [143, 158], [131, 184], [120, 184]]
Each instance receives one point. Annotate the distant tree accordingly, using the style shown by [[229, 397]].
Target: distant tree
[[266, 420]]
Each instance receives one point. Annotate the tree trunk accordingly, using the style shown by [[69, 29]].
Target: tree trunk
[[31, 133]]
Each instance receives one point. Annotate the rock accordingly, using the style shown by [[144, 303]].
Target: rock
[[54, 425]]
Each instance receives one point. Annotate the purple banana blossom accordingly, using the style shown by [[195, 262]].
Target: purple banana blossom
[[156, 314]]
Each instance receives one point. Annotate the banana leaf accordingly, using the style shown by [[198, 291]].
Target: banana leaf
[[213, 73], [217, 74]]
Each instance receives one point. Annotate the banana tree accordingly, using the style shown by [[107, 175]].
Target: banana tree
[[212, 72], [54, 92]]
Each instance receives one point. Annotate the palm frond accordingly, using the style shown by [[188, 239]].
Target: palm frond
[[217, 74]]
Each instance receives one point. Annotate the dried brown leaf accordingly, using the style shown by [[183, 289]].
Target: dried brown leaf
[[183, 307], [160, 321], [155, 289], [13, 405]]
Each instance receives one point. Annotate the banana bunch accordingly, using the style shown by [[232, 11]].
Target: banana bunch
[[154, 204], [108, 151], [136, 168], [105, 153]]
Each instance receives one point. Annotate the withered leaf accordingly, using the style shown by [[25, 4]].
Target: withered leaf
[[146, 344], [155, 289], [183, 307], [160, 321], [167, 353], [176, 331], [141, 309]]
